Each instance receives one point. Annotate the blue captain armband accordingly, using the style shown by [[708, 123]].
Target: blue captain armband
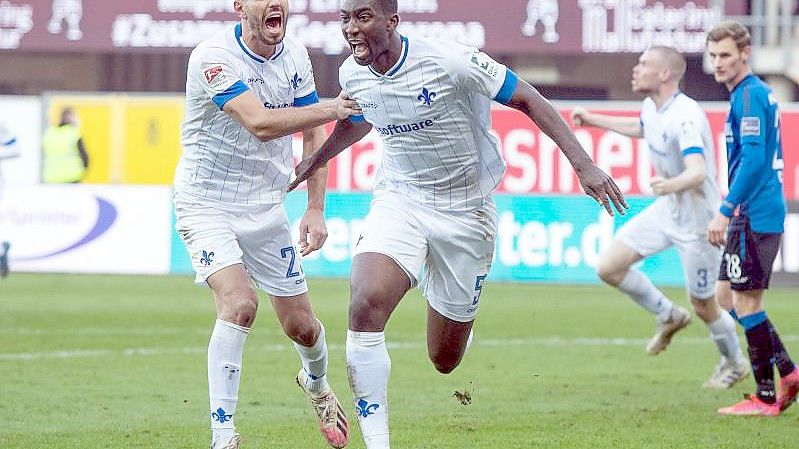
[[508, 87], [230, 93]]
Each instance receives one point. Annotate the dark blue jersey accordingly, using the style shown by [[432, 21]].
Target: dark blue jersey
[[754, 155]]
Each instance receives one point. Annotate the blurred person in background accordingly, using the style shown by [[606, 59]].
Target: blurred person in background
[[680, 146], [432, 210], [64, 157], [8, 150], [247, 90], [751, 220]]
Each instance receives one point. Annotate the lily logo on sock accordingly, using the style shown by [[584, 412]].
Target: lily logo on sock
[[365, 409], [220, 415]]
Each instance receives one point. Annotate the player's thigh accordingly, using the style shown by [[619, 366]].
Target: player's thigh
[[460, 252], [700, 262], [648, 232], [392, 228], [269, 254], [377, 285], [617, 257], [210, 239], [724, 294]]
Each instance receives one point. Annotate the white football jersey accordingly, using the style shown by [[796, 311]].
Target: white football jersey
[[221, 160], [679, 128], [432, 110], [8, 142]]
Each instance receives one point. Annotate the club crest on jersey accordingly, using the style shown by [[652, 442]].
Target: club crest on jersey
[[295, 82], [426, 97], [210, 74]]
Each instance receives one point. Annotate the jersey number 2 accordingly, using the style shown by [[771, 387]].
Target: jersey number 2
[[290, 254]]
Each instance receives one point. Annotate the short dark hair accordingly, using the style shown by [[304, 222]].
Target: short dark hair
[[733, 30], [388, 6], [672, 59]]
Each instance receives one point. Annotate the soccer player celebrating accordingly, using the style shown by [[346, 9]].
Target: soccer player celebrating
[[681, 148], [243, 92], [750, 221], [432, 206]]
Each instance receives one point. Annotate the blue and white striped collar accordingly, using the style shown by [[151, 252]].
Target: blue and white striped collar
[[278, 48], [399, 63]]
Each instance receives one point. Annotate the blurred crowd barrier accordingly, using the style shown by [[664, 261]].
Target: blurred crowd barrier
[[120, 219]]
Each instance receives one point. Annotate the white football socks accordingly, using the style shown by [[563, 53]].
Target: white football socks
[[637, 286], [225, 351], [314, 362], [723, 333], [369, 367]]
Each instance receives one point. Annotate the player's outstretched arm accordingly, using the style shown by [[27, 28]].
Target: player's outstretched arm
[[313, 231], [267, 124], [596, 183], [629, 126], [346, 133]]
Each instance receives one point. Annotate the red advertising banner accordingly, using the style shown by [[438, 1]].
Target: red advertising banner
[[536, 165], [518, 26]]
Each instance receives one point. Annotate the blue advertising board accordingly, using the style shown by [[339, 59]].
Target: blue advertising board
[[539, 238]]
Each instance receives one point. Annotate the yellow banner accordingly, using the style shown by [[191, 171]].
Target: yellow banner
[[130, 139]]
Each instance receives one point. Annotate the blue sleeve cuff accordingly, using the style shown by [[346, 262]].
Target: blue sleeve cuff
[[692, 150], [311, 98], [508, 87], [727, 209], [357, 118], [230, 93]]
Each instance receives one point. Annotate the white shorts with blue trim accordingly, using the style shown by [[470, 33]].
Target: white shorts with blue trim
[[653, 230], [258, 237], [453, 250]]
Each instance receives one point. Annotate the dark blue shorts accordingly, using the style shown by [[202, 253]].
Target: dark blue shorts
[[748, 257]]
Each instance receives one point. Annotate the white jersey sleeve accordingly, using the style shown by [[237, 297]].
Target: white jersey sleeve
[[210, 68], [475, 71], [305, 91], [8, 143], [689, 136]]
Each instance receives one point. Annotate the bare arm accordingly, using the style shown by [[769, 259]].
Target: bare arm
[[629, 126], [693, 176], [313, 231], [596, 183], [344, 134], [267, 124]]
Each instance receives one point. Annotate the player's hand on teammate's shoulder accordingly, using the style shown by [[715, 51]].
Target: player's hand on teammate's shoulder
[[345, 106], [601, 187], [579, 116]]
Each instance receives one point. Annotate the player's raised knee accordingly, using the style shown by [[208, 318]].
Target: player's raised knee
[[609, 273]]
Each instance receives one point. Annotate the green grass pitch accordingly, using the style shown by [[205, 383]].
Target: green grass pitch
[[119, 362]]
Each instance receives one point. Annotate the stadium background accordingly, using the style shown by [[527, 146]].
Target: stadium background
[[122, 66], [90, 359]]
